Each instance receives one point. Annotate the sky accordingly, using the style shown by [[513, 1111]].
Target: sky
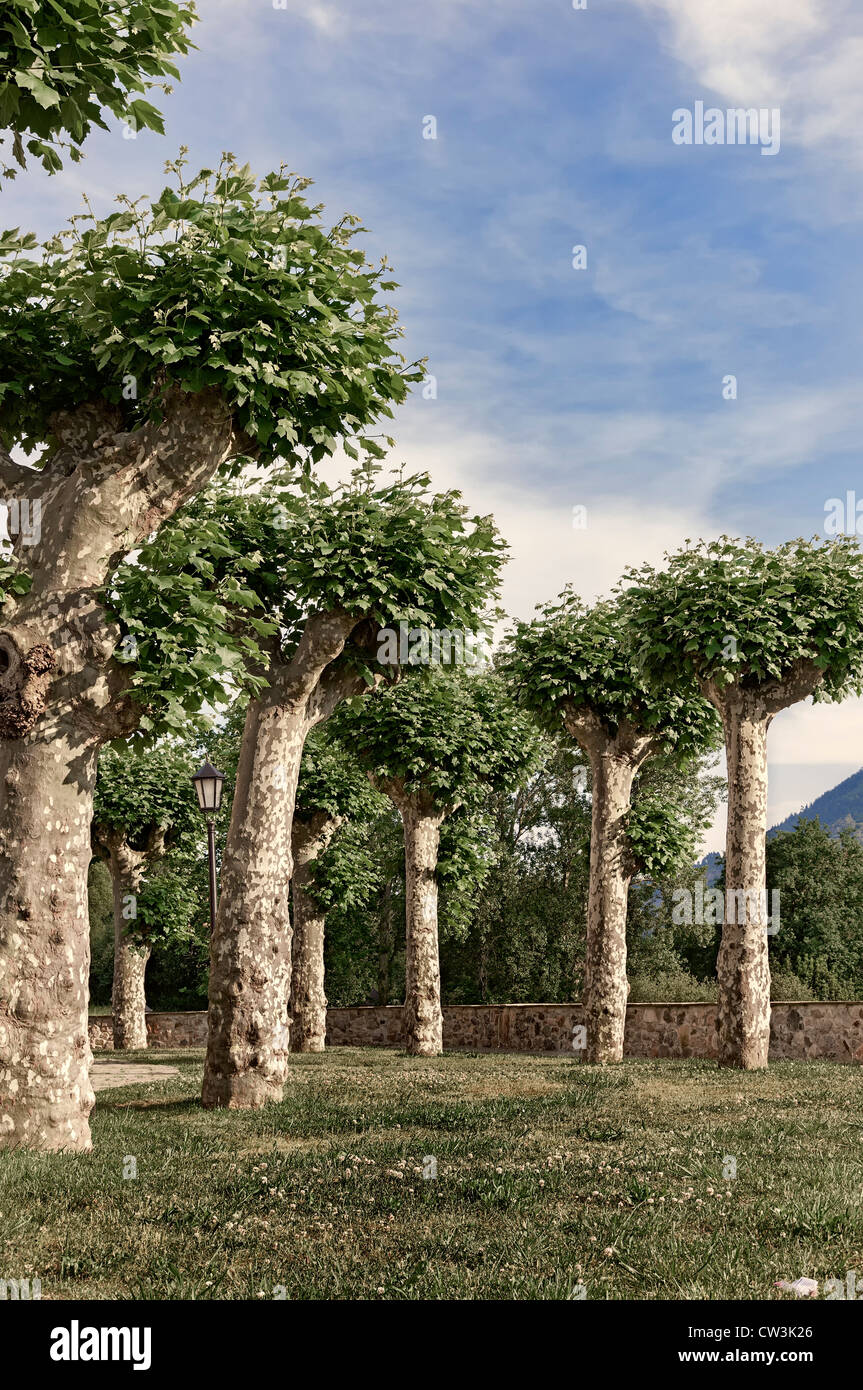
[[557, 386]]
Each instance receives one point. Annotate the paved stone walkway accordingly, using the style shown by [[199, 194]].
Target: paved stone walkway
[[105, 1075]]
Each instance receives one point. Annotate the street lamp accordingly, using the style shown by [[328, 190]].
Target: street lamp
[[208, 786]]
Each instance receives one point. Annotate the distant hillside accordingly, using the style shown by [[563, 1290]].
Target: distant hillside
[[712, 862], [841, 806]]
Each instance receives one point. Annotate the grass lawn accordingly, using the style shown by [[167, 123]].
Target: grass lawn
[[549, 1174]]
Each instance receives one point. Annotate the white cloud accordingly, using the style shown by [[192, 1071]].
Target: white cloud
[[810, 734], [801, 55], [546, 551]]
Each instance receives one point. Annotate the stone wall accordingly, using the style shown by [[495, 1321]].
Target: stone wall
[[833, 1031], [830, 1031], [163, 1030]]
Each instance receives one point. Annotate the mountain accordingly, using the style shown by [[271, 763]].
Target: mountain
[[841, 806], [712, 862]]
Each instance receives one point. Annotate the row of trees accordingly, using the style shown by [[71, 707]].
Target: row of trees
[[436, 743], [223, 328], [283, 589], [511, 867], [513, 894], [728, 632]]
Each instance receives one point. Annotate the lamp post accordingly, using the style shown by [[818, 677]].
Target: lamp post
[[208, 786]]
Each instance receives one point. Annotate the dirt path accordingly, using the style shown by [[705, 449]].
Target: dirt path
[[105, 1075]]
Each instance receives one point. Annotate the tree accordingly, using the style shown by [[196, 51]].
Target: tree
[[759, 629], [527, 938], [359, 882], [816, 881], [144, 807], [63, 65], [576, 668], [308, 578], [670, 939], [331, 791], [526, 934], [140, 353], [434, 743]]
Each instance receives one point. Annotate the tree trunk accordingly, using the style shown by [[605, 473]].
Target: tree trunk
[[743, 967], [605, 983], [128, 997], [308, 1011], [250, 953], [482, 970], [614, 761], [308, 997], [102, 490], [423, 1014], [46, 798], [127, 867], [386, 944], [248, 1027]]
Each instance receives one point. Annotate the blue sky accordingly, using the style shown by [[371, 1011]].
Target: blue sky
[[558, 387]]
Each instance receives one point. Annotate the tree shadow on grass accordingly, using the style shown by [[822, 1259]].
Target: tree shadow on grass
[[175, 1106]]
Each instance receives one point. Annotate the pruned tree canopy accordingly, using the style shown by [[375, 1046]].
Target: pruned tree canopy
[[331, 781], [223, 283], [737, 612], [573, 660], [145, 807], [238, 568], [137, 789], [446, 735]]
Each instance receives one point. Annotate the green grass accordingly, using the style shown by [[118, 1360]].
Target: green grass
[[550, 1174]]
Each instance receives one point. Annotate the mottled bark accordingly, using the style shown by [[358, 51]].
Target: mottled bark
[[101, 491], [128, 867], [46, 798], [614, 761], [128, 994], [250, 952], [308, 1007], [423, 1015], [250, 955], [386, 945], [743, 967], [605, 983]]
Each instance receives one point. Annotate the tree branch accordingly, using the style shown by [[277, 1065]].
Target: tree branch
[[323, 640], [767, 698], [586, 727], [802, 679], [111, 490], [18, 479], [594, 736], [313, 832]]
